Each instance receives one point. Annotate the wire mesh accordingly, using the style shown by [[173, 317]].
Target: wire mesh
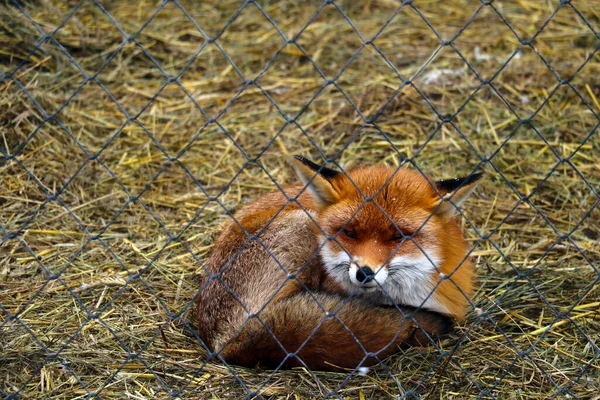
[[169, 76]]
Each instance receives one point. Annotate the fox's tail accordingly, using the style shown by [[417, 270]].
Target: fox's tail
[[335, 343]]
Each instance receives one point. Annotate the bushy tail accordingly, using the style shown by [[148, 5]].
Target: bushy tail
[[334, 345]]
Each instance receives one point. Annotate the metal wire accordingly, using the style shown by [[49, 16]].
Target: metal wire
[[367, 121]]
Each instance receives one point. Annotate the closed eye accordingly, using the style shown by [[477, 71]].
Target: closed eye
[[350, 234], [403, 235]]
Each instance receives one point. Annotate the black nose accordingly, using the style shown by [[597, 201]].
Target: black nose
[[365, 274]]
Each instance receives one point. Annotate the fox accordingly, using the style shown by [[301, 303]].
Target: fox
[[339, 271]]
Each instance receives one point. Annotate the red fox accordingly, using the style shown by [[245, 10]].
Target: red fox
[[276, 292]]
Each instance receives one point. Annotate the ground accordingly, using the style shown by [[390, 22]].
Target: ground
[[116, 175]]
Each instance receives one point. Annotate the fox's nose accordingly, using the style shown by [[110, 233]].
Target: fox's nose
[[365, 274]]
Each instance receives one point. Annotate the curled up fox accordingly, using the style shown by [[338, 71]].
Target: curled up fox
[[276, 291]]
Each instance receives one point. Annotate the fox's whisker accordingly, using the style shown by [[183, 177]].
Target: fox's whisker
[[341, 266], [396, 268]]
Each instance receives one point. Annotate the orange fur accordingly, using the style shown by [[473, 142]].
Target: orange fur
[[267, 278]]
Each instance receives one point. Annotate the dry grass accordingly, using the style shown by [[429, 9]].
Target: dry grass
[[521, 237]]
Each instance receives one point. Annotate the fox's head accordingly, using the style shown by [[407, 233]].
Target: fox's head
[[390, 231]]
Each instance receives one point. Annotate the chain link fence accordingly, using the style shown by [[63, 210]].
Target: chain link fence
[[132, 131]]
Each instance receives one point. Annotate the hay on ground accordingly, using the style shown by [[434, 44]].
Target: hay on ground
[[538, 257]]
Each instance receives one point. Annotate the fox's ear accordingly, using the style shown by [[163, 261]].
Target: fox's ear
[[457, 190], [317, 179]]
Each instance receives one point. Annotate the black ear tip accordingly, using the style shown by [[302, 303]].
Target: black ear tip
[[450, 185], [305, 161], [322, 170], [477, 176]]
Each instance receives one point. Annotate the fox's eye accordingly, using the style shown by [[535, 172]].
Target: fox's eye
[[350, 234], [400, 236]]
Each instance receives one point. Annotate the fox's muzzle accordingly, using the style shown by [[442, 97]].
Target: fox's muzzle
[[365, 274]]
